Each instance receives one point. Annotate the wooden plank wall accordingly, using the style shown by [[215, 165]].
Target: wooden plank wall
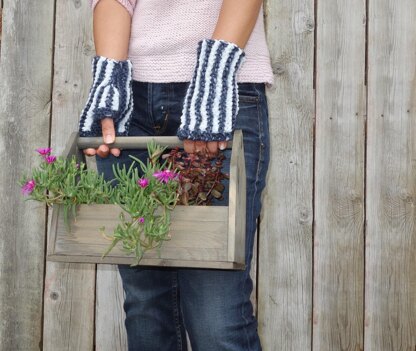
[[285, 251], [89, 296], [337, 241], [1, 21], [364, 50], [69, 288], [339, 176], [390, 241], [25, 94]]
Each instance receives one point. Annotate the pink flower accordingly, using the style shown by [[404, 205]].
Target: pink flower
[[165, 176], [44, 151], [144, 182], [28, 187], [141, 220], [50, 159]]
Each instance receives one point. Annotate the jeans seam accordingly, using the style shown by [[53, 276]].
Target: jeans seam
[[247, 272], [150, 103], [176, 311], [164, 126]]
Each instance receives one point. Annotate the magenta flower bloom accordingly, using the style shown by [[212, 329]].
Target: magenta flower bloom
[[50, 159], [165, 176], [144, 182], [44, 151], [141, 220], [28, 187]]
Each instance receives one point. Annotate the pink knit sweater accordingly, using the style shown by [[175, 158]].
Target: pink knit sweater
[[165, 35]]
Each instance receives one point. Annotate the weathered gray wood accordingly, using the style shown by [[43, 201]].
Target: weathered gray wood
[[285, 284], [134, 142], [25, 92], [390, 292], [253, 274], [150, 262], [69, 288], [338, 290], [198, 233], [109, 317], [237, 201], [285, 260], [130, 142], [72, 149], [1, 21]]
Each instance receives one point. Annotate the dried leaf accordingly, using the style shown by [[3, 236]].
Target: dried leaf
[[216, 194], [219, 187], [202, 196]]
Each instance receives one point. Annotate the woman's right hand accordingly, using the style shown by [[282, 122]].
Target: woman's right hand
[[109, 136], [112, 26]]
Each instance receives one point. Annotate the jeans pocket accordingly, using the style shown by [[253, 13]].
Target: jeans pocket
[[248, 98], [247, 93]]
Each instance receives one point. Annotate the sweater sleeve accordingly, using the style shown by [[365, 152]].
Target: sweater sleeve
[[129, 5]]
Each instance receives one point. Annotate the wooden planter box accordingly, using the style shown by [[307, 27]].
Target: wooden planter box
[[202, 236]]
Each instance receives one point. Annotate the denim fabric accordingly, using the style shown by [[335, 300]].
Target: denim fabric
[[213, 305]]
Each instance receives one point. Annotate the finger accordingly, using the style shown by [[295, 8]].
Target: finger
[[103, 150], [222, 145], [189, 146], [200, 147], [212, 147], [115, 152], [107, 126], [89, 152]]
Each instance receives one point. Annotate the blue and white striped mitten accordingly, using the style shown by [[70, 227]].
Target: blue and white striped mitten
[[211, 102], [110, 96]]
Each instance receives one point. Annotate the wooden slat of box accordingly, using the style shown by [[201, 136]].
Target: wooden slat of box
[[193, 238]]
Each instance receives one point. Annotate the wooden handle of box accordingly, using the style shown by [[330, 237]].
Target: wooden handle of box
[[133, 142]]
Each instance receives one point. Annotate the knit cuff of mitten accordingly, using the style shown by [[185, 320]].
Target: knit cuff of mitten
[[110, 96], [211, 102]]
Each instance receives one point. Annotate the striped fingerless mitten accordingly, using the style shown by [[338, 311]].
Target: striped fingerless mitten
[[211, 102], [110, 96]]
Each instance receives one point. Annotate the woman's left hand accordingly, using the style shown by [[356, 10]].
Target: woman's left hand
[[209, 148]]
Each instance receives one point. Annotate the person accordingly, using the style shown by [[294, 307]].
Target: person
[[198, 70]]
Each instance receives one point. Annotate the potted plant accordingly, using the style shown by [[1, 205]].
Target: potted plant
[[157, 216]]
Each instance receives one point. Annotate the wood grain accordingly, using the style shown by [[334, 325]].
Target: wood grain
[[25, 93], [1, 21], [110, 330], [237, 202], [338, 290], [390, 290], [76, 307], [285, 259], [198, 233], [69, 288]]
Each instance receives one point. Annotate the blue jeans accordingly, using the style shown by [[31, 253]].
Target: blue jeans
[[212, 305]]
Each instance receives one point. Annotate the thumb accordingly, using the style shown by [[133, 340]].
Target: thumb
[[107, 127]]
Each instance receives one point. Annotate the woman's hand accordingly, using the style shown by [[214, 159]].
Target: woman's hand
[[112, 25], [209, 148], [208, 121], [107, 125]]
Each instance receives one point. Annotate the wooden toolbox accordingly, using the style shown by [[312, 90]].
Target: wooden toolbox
[[201, 236]]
